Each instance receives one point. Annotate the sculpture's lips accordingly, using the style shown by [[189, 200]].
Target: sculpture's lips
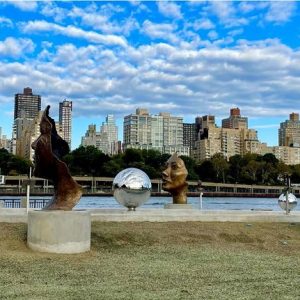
[[166, 181]]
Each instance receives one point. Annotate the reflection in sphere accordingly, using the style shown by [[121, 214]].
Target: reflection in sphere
[[292, 201], [132, 188]]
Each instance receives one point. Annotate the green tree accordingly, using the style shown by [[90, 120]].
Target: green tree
[[112, 167], [86, 161], [220, 166], [205, 171], [132, 156], [250, 171], [236, 164], [18, 165], [5, 157], [295, 173], [190, 165]]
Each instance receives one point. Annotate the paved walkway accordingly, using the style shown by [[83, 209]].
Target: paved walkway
[[16, 215]]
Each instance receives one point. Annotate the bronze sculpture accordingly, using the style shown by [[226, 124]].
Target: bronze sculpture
[[49, 149], [174, 179]]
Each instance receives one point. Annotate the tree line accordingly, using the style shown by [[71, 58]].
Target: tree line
[[89, 161]]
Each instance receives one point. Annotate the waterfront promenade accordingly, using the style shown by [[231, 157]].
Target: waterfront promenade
[[102, 186]]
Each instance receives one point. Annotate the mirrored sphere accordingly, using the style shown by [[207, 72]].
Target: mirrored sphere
[[292, 201], [132, 187]]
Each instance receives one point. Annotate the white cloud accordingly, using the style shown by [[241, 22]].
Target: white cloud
[[24, 5], [169, 9], [160, 31], [164, 77], [246, 7], [203, 24], [227, 14], [213, 35], [51, 9], [280, 12], [73, 32], [100, 20], [5, 22], [12, 47]]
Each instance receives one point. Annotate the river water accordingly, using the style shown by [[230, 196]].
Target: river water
[[208, 203]]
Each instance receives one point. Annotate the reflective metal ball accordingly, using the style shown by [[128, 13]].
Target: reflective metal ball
[[132, 188], [292, 201]]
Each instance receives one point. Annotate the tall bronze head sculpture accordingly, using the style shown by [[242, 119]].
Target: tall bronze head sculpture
[[49, 149], [174, 179]]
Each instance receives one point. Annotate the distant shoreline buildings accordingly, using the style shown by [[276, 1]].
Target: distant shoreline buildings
[[163, 132]]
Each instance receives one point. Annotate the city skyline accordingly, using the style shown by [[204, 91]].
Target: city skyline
[[187, 58]]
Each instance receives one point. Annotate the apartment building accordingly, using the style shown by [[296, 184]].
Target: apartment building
[[289, 132], [161, 132]]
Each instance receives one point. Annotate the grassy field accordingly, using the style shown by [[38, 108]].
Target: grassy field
[[188, 260]]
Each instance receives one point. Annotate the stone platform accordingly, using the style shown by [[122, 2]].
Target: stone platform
[[167, 215], [59, 231]]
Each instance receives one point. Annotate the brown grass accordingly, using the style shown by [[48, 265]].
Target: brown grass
[[174, 260]]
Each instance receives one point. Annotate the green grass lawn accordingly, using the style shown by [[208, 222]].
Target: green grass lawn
[[174, 260]]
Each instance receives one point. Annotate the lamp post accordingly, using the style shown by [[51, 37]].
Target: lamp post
[[288, 183], [200, 193], [28, 191]]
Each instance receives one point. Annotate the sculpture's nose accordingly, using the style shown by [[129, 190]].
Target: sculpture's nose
[[166, 172]]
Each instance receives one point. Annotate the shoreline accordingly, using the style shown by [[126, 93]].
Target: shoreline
[[156, 194]]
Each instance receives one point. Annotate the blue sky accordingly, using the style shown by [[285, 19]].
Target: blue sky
[[189, 58]]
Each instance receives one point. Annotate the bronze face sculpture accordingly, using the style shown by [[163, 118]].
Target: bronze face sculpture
[[174, 179], [49, 149]]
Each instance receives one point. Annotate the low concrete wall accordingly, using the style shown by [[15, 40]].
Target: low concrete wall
[[59, 231], [13, 215], [194, 215], [16, 215]]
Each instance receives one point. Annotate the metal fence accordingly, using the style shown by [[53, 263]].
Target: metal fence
[[17, 203]]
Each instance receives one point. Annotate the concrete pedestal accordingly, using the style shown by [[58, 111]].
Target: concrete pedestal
[[59, 231], [178, 206]]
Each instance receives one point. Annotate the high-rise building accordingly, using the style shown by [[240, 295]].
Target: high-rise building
[[137, 129], [27, 107], [106, 140], [30, 132], [28, 103], [91, 138], [65, 120], [289, 132], [235, 120], [109, 136], [161, 132], [189, 135], [228, 141], [4, 141]]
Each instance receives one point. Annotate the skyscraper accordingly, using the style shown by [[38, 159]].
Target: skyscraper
[[106, 140], [289, 132], [65, 120], [27, 105], [109, 136], [189, 137]]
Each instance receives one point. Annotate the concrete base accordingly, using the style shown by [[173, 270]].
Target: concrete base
[[59, 231], [178, 206]]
